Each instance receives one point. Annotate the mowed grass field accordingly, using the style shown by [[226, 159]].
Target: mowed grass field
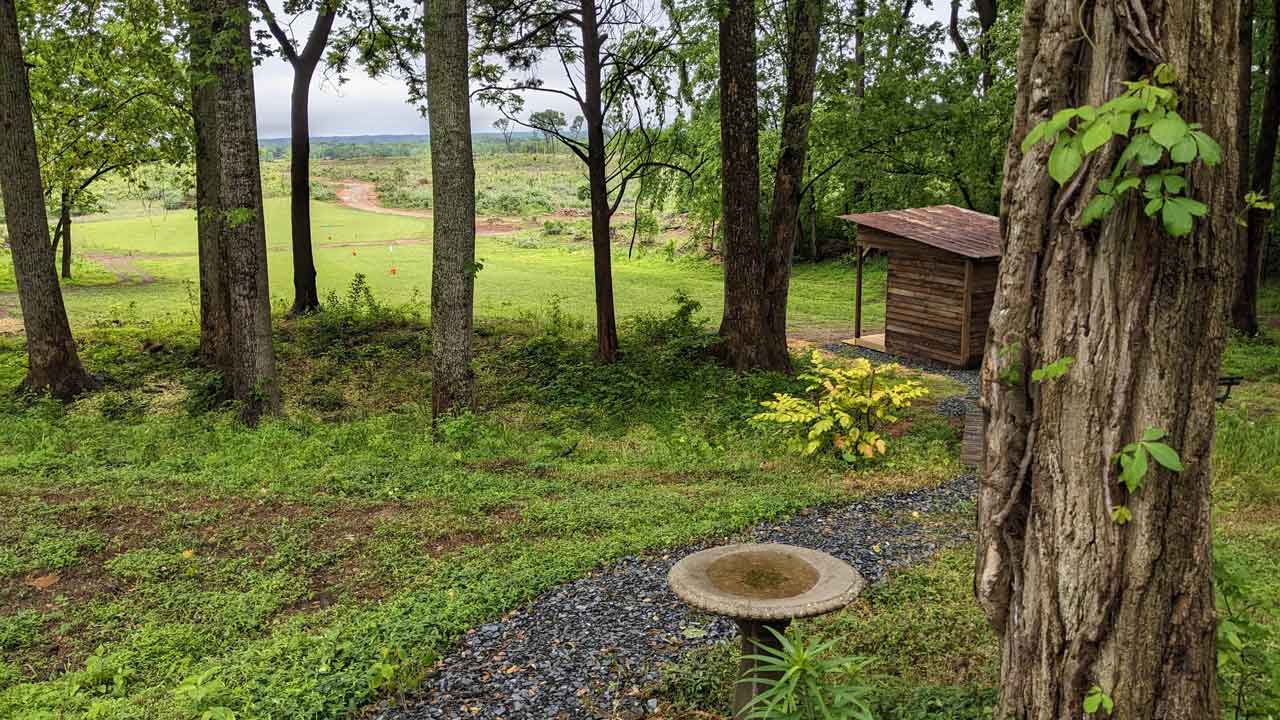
[[145, 266]]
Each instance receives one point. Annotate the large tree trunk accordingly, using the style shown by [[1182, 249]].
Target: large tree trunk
[[215, 323], [1078, 599], [52, 361], [453, 248], [802, 54], [252, 360], [1244, 311], [743, 324], [601, 245]]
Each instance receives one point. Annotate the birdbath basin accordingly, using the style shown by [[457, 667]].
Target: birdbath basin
[[763, 586]]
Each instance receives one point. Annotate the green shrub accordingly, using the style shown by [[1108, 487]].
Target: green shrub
[[845, 407], [346, 324], [323, 192]]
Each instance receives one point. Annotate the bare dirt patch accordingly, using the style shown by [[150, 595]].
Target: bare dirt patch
[[362, 195], [123, 267]]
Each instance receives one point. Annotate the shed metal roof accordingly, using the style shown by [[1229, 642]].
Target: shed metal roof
[[946, 227]]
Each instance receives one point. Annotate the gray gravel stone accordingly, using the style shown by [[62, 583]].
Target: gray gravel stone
[[585, 649]]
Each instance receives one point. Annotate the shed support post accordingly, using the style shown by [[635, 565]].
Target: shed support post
[[857, 295]]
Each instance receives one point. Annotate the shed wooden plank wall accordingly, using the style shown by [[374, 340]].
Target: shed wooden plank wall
[[924, 309], [982, 297]]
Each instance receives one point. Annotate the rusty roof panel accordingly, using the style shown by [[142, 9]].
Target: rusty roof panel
[[946, 227]]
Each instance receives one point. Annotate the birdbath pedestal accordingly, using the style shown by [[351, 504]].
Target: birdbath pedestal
[[763, 586]]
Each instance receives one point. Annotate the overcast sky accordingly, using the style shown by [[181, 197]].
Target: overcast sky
[[365, 106]]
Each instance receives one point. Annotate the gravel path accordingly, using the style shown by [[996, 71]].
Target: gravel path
[[586, 648]]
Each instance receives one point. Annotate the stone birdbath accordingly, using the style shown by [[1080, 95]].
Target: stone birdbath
[[763, 586]]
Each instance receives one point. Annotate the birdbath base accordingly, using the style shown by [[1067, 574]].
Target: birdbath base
[[755, 638]]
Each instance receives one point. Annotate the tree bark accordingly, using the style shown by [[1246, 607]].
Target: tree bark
[[64, 221], [802, 56], [1244, 310], [597, 174], [252, 371], [215, 323], [1077, 599], [453, 249], [743, 323], [53, 364]]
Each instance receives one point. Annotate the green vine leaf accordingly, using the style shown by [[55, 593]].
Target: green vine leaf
[[1158, 138], [1210, 150], [1055, 369], [1096, 700], [1165, 455], [1121, 515], [1169, 130], [1064, 160], [1096, 136]]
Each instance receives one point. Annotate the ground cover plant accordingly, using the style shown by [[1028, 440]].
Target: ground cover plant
[[162, 560]]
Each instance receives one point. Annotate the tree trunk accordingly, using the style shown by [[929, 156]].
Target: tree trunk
[[601, 245], [1244, 311], [215, 323], [802, 54], [252, 360], [743, 323], [988, 12], [64, 221], [1078, 599], [53, 364], [453, 250], [306, 298]]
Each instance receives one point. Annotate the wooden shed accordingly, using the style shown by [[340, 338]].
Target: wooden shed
[[943, 262]]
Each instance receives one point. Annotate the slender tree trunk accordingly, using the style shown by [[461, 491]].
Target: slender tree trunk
[[64, 221], [802, 54], [988, 12], [860, 47], [252, 359], [1077, 599], [453, 250], [53, 364], [743, 323], [306, 298], [1244, 311], [601, 245]]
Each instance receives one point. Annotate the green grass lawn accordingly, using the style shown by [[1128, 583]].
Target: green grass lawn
[[523, 272], [159, 560]]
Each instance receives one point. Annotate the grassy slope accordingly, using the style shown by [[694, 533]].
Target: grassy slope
[[323, 559], [515, 279]]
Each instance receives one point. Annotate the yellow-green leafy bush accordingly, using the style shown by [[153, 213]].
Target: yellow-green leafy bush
[[844, 409]]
